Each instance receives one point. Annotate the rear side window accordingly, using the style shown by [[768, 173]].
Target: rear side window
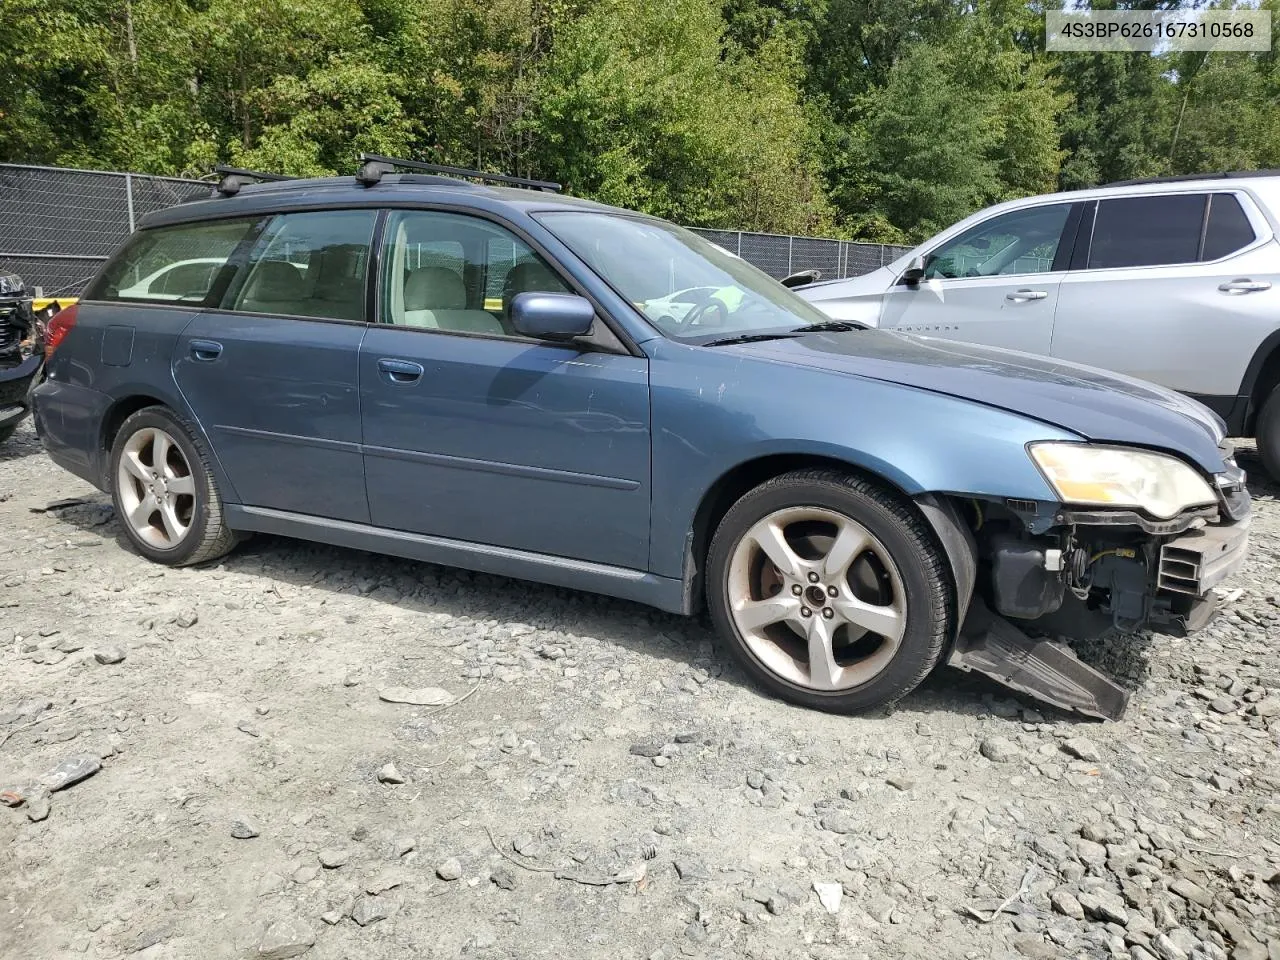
[[1147, 231], [308, 265], [1229, 229], [177, 264]]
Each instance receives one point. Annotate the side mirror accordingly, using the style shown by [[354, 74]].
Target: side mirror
[[802, 277], [914, 272], [552, 316]]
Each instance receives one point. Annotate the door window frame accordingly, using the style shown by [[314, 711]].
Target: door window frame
[[606, 336], [1059, 264], [1262, 231]]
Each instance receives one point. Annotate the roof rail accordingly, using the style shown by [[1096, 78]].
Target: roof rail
[[1187, 177], [374, 167], [233, 178]]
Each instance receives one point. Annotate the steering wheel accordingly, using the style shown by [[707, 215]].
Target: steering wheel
[[702, 301]]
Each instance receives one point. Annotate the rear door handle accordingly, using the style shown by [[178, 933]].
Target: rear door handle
[[1244, 285], [401, 371], [205, 350], [1022, 296]]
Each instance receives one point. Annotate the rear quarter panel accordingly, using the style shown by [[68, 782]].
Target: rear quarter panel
[[714, 410], [115, 354]]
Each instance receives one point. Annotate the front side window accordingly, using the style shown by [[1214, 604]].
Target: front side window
[[1020, 242], [177, 264], [459, 274], [1147, 231], [686, 286], [308, 265]]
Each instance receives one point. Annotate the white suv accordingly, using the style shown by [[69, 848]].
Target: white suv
[[1176, 281]]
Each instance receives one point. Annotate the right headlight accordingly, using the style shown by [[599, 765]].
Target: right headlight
[[1161, 485]]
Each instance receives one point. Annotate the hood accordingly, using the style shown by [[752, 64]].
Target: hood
[[1099, 406], [858, 299]]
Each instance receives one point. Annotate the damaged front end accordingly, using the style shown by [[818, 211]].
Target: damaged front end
[[1046, 571]]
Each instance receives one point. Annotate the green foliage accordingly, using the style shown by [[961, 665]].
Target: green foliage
[[873, 119]]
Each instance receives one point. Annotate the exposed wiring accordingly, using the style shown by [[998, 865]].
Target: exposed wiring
[[977, 508]]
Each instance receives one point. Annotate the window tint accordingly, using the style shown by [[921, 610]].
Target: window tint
[[468, 284], [177, 264], [1229, 228], [1024, 241], [309, 265], [1147, 231]]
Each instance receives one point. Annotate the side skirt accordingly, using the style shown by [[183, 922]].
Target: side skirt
[[661, 592]]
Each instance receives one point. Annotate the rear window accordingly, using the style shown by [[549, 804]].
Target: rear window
[[177, 264], [1147, 231], [1229, 229]]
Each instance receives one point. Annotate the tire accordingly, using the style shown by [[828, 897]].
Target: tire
[[861, 580], [185, 524], [1267, 432], [7, 432]]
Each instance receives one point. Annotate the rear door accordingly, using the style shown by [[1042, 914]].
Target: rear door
[[1176, 288], [996, 283], [272, 373]]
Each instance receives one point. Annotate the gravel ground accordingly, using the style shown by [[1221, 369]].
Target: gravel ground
[[583, 777]]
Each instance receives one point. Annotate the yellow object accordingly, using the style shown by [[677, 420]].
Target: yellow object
[[61, 302]]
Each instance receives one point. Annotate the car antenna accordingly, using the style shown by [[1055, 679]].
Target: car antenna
[[374, 167], [233, 178]]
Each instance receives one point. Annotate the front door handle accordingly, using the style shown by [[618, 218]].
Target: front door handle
[[1022, 296], [205, 351], [401, 371], [1244, 285]]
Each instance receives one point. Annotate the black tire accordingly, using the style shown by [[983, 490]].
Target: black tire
[[208, 536], [1267, 431], [7, 432], [925, 576]]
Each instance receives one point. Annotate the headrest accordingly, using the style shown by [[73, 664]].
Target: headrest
[[434, 288], [275, 280]]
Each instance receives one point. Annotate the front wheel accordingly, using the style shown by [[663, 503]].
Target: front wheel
[[829, 591], [164, 492], [1268, 434]]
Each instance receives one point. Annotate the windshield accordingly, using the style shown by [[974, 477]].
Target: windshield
[[689, 288]]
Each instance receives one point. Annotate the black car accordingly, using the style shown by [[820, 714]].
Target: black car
[[21, 354]]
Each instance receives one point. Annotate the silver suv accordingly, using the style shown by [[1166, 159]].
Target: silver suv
[[1172, 280]]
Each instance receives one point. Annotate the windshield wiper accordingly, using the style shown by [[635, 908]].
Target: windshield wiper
[[749, 338], [829, 326]]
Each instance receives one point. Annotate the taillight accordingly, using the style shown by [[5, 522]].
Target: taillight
[[58, 329]]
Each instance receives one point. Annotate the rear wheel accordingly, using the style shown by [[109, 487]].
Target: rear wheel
[[1268, 434], [829, 591], [164, 492]]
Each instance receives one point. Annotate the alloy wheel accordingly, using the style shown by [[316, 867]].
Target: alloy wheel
[[817, 598], [157, 490]]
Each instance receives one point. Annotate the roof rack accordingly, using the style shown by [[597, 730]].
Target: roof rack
[[233, 178], [374, 167], [1185, 177]]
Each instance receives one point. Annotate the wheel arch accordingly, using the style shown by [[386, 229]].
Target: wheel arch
[[1261, 377], [952, 535], [125, 406], [120, 411]]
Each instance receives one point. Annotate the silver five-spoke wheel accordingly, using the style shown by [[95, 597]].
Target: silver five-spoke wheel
[[830, 590], [817, 598], [156, 488]]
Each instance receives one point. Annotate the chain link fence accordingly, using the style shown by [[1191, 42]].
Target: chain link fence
[[58, 225]]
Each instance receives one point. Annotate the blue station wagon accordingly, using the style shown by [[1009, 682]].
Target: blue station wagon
[[499, 377]]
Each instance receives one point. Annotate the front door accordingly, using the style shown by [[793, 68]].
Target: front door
[[477, 434], [272, 374], [996, 283]]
